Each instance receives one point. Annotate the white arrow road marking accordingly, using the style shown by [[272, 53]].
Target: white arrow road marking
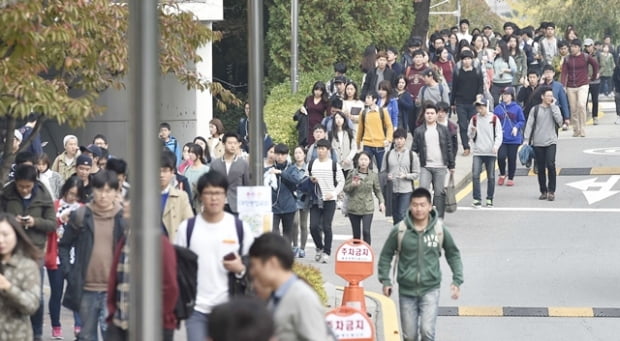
[[596, 195]]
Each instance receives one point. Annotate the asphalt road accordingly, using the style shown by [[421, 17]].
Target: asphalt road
[[525, 252]]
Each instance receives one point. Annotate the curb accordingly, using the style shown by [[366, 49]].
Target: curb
[[588, 312]]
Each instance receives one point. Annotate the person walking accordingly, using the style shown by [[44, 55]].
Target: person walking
[[541, 132], [361, 183], [510, 114], [418, 242], [575, 79], [467, 82], [485, 133], [236, 169]]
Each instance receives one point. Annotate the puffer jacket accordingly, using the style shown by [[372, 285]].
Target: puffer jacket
[[41, 208]]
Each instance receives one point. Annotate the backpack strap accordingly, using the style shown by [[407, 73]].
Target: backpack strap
[[534, 123], [387, 163], [334, 171], [411, 161], [190, 229], [402, 228], [239, 227], [310, 167]]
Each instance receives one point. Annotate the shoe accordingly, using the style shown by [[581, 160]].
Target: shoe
[[564, 126], [500, 180], [575, 134], [595, 121], [295, 252], [466, 152], [582, 135], [543, 196], [490, 203], [317, 256], [77, 330], [324, 258], [339, 204], [57, 333], [617, 120], [551, 196], [302, 253], [476, 204], [510, 183], [37, 338]]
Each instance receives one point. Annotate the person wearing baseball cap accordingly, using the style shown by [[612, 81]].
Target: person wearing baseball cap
[[64, 164], [84, 164], [95, 153], [576, 80]]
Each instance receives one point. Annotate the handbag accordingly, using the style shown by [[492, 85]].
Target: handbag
[[450, 196]]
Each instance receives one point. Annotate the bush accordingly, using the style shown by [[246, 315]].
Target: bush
[[281, 104], [313, 277]]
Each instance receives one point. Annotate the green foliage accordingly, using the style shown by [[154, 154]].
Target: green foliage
[[331, 31], [313, 277], [476, 11], [591, 19]]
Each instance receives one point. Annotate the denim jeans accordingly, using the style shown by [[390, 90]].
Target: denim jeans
[[57, 281], [321, 221], [360, 226], [377, 152], [196, 326], [436, 177], [507, 151], [300, 228], [464, 113], [489, 165], [545, 160], [400, 205], [425, 309], [606, 85], [93, 312], [36, 319]]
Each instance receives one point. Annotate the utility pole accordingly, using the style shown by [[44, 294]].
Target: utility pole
[[294, 45], [256, 64]]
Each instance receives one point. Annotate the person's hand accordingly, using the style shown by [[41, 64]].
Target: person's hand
[[27, 221], [455, 291], [386, 143], [514, 131], [329, 196], [4, 283], [525, 143], [390, 176], [402, 175], [314, 179], [494, 150], [234, 265], [381, 207], [303, 110], [65, 216], [387, 290]]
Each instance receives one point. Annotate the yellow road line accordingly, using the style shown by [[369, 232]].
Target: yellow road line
[[391, 329], [570, 312], [481, 311], [604, 170]]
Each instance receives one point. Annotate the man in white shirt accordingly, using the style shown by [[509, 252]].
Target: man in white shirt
[[214, 235]]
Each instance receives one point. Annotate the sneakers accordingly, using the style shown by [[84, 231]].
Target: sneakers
[[565, 127], [324, 258], [57, 333], [510, 182], [302, 253], [318, 255], [595, 121], [500, 180], [296, 252], [476, 204], [77, 330], [551, 196], [466, 152], [489, 203], [617, 120], [543, 196], [339, 204]]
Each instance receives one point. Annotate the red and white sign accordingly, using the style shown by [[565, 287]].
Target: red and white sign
[[354, 260], [350, 324]]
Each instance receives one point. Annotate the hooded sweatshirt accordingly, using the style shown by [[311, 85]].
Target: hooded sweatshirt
[[418, 269], [510, 115], [548, 119], [485, 134]]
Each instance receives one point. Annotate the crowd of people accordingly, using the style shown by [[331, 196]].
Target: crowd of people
[[388, 139]]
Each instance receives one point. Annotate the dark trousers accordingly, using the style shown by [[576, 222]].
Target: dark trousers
[[288, 220], [115, 333], [606, 85], [36, 319], [57, 281], [545, 160], [507, 151], [321, 225], [464, 113], [594, 91], [360, 225]]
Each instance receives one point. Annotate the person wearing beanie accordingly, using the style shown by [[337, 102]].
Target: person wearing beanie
[[65, 163]]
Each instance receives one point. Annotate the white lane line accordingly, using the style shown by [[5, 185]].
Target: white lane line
[[540, 209]]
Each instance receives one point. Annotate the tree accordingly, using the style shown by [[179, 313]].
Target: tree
[[56, 57], [591, 19], [422, 9]]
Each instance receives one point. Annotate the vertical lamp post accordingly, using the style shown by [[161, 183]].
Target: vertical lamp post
[[255, 63], [145, 291], [294, 45]]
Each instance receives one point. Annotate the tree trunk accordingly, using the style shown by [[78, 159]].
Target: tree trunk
[[421, 9]]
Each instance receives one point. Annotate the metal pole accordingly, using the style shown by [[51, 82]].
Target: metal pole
[[458, 9], [255, 62], [145, 289], [294, 45]]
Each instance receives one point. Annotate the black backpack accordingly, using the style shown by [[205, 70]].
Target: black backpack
[[187, 276]]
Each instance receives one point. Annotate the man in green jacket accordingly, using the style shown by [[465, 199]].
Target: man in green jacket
[[418, 272]]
